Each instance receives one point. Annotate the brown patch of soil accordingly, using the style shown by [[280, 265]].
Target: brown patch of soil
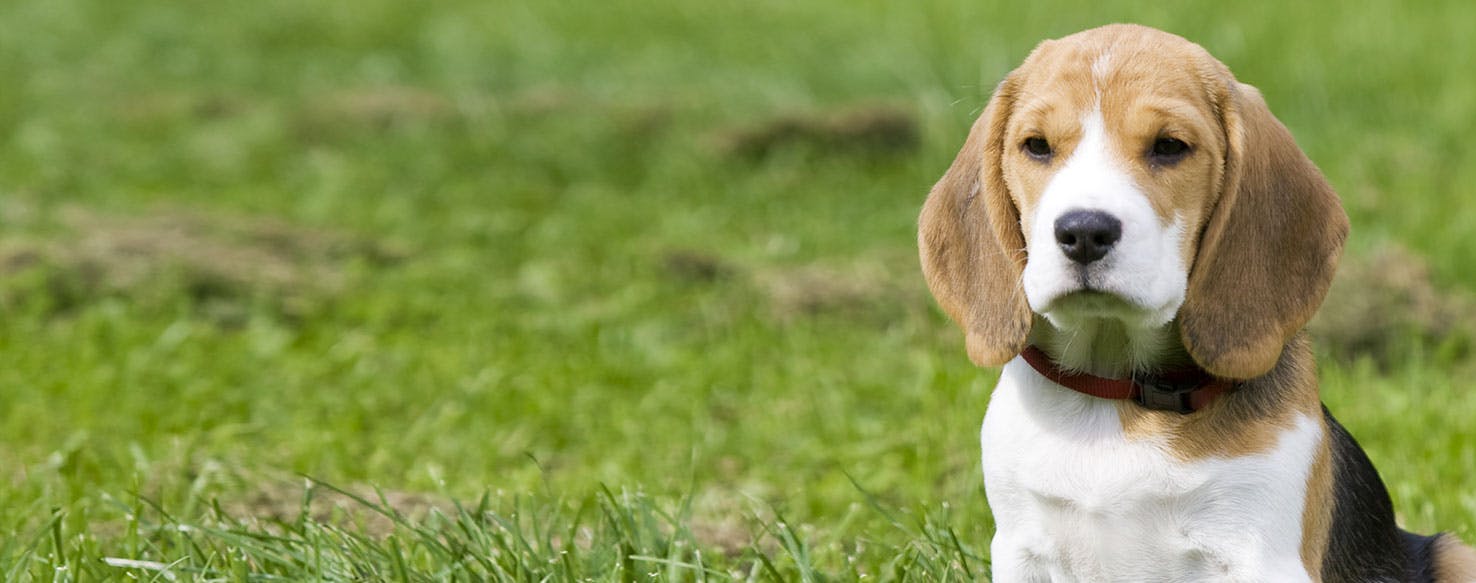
[[285, 500], [1386, 298], [224, 264], [866, 129]]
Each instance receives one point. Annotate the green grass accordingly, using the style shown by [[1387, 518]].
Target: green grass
[[592, 334]]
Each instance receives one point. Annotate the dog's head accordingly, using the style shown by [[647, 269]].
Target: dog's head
[[1123, 172]]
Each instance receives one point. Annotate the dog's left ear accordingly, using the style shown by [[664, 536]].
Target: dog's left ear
[[1269, 250], [970, 242]]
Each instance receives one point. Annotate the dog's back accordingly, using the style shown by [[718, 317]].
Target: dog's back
[[1364, 542]]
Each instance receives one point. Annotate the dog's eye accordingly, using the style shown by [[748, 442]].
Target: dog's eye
[[1037, 147], [1169, 150]]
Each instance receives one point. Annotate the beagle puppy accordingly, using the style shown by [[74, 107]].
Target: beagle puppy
[[1139, 242]]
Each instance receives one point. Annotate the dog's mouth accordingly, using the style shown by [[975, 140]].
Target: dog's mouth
[[1089, 301], [1100, 291]]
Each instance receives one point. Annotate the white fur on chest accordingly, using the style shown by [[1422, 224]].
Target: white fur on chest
[[1075, 500]]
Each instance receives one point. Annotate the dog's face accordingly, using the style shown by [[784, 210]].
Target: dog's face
[[1112, 156], [1123, 173]]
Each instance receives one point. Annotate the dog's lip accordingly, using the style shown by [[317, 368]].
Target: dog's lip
[[1090, 300]]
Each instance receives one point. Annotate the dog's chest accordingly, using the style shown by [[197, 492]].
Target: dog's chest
[[1075, 498]]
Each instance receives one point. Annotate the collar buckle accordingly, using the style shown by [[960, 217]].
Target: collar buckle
[[1162, 395]]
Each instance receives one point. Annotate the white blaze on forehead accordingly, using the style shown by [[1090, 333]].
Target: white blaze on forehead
[[1100, 66], [1091, 178]]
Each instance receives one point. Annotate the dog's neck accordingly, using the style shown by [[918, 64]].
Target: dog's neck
[[1109, 347]]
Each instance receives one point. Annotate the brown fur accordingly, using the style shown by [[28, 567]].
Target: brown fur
[[1244, 422], [1268, 254], [1454, 561], [1317, 507], [971, 246]]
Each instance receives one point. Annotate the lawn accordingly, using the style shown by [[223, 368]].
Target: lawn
[[556, 290]]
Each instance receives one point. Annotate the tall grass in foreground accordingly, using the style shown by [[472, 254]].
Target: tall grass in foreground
[[607, 536]]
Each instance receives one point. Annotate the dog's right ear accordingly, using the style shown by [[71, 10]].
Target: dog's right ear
[[1269, 250], [972, 248]]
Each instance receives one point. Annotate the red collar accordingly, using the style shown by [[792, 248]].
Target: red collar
[[1183, 391]]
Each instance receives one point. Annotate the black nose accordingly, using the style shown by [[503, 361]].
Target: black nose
[[1086, 236]]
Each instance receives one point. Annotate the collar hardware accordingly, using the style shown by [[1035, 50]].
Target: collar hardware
[[1182, 391], [1164, 396]]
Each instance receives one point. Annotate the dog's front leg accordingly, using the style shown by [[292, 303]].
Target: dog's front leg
[[1012, 561]]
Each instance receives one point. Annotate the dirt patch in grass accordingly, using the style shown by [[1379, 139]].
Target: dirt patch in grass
[[377, 108], [875, 288], [641, 120], [225, 265], [728, 521], [730, 536], [696, 266], [152, 108], [866, 129], [374, 512], [718, 521], [866, 289], [1383, 301], [543, 100]]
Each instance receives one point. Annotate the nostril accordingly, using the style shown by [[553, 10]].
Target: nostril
[[1086, 236]]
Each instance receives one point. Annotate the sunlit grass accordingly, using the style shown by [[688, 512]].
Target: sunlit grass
[[598, 325]]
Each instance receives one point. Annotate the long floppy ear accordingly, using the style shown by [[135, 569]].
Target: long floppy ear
[[970, 241], [1268, 251]]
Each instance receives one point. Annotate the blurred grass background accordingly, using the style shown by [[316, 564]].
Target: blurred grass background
[[533, 248]]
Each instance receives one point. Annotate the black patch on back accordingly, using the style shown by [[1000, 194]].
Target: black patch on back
[[1421, 552], [1365, 545]]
